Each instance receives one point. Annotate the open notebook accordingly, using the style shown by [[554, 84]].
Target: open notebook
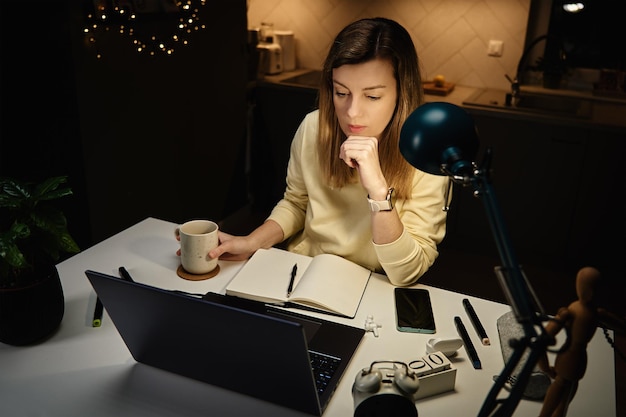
[[236, 344], [325, 283]]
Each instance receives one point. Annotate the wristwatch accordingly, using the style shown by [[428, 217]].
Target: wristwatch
[[385, 205]]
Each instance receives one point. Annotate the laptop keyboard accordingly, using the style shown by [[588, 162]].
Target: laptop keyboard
[[324, 367]]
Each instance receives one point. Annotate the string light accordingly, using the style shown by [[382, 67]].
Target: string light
[[159, 28]]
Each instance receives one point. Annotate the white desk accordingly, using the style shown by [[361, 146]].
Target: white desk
[[86, 371]]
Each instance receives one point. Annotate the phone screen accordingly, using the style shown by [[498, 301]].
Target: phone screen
[[414, 312]]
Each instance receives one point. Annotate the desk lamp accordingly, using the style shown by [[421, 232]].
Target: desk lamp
[[441, 139]]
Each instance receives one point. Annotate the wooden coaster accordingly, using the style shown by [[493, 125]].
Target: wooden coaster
[[196, 277]]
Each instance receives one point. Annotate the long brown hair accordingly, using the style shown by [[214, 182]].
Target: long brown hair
[[362, 41]]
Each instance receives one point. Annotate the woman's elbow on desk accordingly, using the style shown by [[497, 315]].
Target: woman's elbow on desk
[[405, 274], [407, 270]]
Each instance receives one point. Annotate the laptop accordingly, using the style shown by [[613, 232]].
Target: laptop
[[241, 345]]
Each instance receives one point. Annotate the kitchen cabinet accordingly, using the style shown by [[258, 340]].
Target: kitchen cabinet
[[599, 225], [557, 186]]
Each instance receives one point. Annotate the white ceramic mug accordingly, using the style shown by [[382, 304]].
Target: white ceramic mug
[[197, 238]]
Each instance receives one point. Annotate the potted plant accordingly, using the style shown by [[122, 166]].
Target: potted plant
[[33, 237]]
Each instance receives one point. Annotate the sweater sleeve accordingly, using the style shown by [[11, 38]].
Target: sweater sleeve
[[406, 259]]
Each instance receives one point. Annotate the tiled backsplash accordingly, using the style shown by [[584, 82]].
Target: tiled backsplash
[[451, 36]]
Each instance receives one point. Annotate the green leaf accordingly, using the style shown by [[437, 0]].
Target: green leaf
[[12, 193], [12, 254], [49, 219], [48, 190], [67, 243], [18, 230], [15, 188]]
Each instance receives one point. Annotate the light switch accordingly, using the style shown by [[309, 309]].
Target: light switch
[[495, 48]]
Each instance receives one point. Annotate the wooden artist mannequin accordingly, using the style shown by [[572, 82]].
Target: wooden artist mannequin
[[580, 320]]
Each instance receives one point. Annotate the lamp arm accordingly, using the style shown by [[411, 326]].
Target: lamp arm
[[521, 297], [517, 289]]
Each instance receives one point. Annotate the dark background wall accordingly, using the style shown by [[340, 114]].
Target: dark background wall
[[138, 135], [39, 130]]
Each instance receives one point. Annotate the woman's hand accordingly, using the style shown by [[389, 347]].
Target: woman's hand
[[230, 248], [233, 248], [361, 153], [240, 248]]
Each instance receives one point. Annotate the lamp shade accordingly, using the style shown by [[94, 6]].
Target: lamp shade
[[439, 138]]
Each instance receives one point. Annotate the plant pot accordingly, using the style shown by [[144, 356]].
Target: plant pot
[[31, 313]]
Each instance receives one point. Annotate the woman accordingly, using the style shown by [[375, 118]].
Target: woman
[[349, 190]]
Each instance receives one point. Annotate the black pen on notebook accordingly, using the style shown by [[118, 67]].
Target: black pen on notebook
[[476, 322], [294, 270], [469, 346], [97, 313]]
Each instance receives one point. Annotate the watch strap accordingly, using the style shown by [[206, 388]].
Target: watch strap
[[384, 205]]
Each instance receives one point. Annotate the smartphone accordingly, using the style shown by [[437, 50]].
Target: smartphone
[[414, 312]]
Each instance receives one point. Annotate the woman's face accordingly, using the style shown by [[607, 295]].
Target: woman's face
[[364, 96]]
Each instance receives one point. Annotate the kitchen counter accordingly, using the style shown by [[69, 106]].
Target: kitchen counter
[[305, 78], [456, 96], [559, 107]]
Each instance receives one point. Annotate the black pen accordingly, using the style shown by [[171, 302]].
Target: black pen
[[476, 322], [97, 313], [469, 346], [294, 270], [125, 275]]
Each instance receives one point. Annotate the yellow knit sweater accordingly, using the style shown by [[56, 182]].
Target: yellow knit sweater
[[317, 219]]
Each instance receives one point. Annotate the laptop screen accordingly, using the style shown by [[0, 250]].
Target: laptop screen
[[258, 351]]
